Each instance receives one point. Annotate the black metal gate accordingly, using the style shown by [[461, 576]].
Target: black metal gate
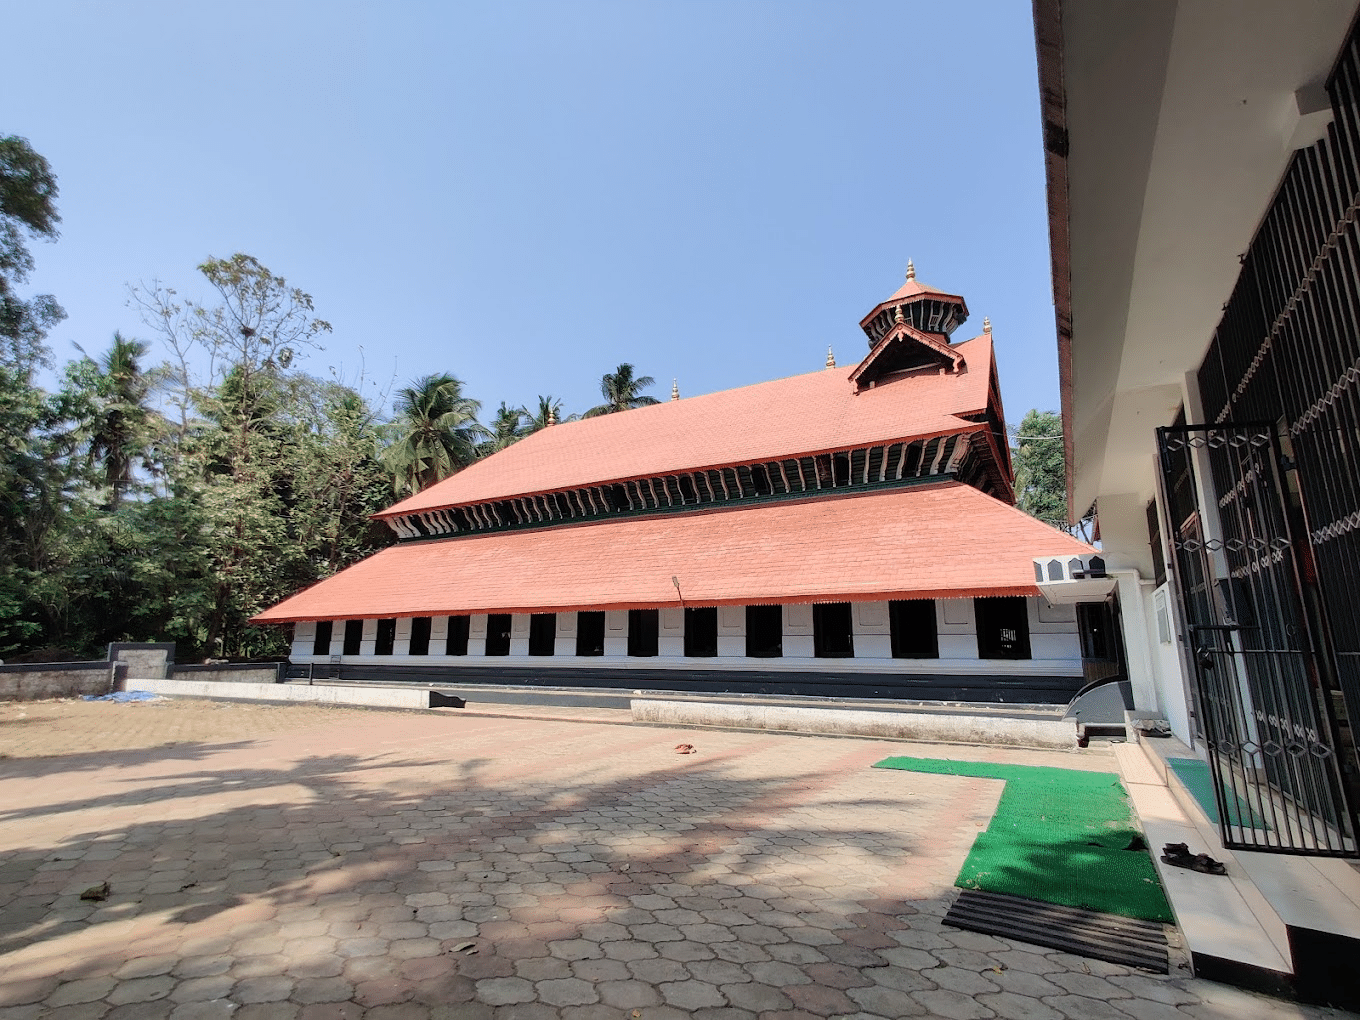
[[1263, 675]]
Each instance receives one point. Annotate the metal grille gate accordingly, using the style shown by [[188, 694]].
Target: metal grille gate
[[1262, 672]]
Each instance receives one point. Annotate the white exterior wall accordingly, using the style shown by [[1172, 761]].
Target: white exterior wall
[[519, 636], [1055, 649], [798, 632], [477, 635], [564, 641], [670, 640], [732, 633], [304, 636], [615, 634]]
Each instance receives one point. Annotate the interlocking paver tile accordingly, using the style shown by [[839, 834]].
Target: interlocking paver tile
[[305, 863]]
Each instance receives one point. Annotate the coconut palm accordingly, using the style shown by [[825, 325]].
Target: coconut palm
[[622, 392], [509, 426], [549, 410], [118, 431], [436, 433]]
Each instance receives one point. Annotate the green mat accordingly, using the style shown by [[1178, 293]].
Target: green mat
[[1194, 774], [1060, 836]]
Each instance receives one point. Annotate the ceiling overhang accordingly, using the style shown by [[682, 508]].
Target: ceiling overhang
[[1167, 129]]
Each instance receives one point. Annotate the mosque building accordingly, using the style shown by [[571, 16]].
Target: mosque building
[[847, 532]]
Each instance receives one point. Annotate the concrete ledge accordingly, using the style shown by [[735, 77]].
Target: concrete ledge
[[952, 728], [373, 697]]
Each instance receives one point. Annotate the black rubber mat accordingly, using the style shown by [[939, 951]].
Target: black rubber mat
[[1099, 936]]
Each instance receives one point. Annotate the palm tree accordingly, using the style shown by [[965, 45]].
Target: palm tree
[[622, 392], [436, 433], [509, 426], [549, 409], [118, 431]]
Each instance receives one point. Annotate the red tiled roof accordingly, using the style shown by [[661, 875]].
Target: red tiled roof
[[942, 540], [803, 414]]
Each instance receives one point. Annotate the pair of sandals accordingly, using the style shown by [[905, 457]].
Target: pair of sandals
[[1178, 855]]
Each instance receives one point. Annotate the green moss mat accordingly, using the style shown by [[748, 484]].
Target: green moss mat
[[1058, 835], [1194, 774]]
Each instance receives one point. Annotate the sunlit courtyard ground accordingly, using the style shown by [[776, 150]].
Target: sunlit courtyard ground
[[303, 863]]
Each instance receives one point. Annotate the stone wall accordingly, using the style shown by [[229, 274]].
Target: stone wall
[[60, 680], [145, 660], [234, 672]]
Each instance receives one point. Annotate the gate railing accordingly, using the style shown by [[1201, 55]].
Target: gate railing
[[1262, 677]]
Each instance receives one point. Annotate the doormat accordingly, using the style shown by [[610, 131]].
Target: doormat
[[1194, 776], [1087, 933], [1060, 836]]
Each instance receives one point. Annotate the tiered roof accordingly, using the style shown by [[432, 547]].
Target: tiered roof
[[891, 479], [937, 540]]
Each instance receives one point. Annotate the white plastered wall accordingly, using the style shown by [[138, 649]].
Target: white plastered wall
[[1055, 649]]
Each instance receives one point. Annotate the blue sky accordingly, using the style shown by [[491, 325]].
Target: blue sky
[[526, 194]]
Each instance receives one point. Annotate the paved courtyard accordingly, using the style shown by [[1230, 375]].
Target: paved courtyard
[[303, 863]]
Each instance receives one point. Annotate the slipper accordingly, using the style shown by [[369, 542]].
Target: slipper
[[685, 748], [1205, 864], [1176, 850], [1202, 863]]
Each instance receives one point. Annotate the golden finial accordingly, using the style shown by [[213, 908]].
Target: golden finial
[[675, 389], [911, 270], [986, 324], [898, 316], [552, 416], [830, 358]]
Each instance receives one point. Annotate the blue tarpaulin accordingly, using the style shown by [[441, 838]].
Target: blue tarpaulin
[[123, 696]]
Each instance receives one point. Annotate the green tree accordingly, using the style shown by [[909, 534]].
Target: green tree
[[28, 193], [435, 433], [509, 426], [120, 429], [549, 410], [1040, 468], [622, 391]]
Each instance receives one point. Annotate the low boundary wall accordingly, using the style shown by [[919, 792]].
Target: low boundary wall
[[234, 672], [373, 697], [36, 681], [941, 727]]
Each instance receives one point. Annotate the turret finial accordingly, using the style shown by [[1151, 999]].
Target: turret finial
[[986, 324], [675, 389], [899, 316], [911, 270], [830, 357], [552, 416]]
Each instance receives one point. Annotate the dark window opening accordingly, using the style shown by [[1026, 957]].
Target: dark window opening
[[420, 635], [701, 632], [457, 641], [841, 464], [1095, 626], [764, 632], [354, 636], [760, 480], [498, 634], [387, 637], [687, 490], [914, 632], [321, 644], [542, 633], [1002, 628], [1154, 524], [644, 628], [832, 634], [590, 633]]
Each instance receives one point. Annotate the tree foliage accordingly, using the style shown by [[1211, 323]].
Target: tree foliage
[[1040, 468], [28, 193], [435, 433], [173, 501], [622, 391]]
